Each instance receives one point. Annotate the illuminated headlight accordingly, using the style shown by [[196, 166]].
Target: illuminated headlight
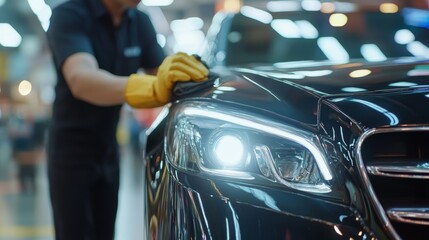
[[222, 142], [229, 150]]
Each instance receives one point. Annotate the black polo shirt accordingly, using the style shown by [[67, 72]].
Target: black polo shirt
[[80, 129]]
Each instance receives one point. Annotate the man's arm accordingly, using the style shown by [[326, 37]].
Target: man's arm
[[90, 83]]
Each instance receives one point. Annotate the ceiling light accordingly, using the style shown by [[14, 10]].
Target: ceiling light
[[286, 28], [327, 7], [283, 6], [186, 25], [307, 29], [157, 3], [388, 8], [228, 6], [404, 36], [257, 14], [161, 39], [9, 37], [189, 42], [372, 53], [24, 87], [418, 49], [311, 5], [234, 37], [333, 49], [345, 7], [338, 19], [42, 11]]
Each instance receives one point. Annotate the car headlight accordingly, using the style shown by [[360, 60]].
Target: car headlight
[[231, 143]]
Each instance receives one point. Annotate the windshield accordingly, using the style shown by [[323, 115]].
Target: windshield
[[297, 36]]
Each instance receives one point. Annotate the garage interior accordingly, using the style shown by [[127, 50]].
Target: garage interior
[[27, 80]]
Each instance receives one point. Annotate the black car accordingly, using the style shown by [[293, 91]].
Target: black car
[[292, 150]]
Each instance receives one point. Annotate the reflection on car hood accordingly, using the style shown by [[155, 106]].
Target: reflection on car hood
[[394, 92], [325, 78]]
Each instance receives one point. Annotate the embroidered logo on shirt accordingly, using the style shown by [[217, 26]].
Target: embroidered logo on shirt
[[133, 51]]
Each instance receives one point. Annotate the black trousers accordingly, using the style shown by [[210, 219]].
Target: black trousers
[[27, 176], [84, 197]]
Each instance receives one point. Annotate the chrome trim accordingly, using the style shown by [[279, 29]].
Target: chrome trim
[[380, 211], [161, 115], [410, 215], [414, 172]]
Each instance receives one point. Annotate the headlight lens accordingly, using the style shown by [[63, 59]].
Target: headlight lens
[[228, 150], [230, 143]]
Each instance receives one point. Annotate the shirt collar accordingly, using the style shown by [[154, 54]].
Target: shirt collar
[[100, 10], [97, 8]]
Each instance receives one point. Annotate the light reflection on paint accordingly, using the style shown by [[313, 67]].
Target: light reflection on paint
[[353, 89], [360, 73], [403, 84], [392, 117], [258, 194], [337, 230], [316, 73], [226, 88]]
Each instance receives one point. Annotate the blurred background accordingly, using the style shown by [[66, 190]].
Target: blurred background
[[27, 81]]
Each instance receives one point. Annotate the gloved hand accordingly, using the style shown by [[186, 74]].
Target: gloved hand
[[146, 91]]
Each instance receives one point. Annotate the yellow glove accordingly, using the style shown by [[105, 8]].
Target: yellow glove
[[146, 91]]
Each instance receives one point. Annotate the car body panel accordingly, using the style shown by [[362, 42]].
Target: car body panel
[[215, 208], [381, 97], [341, 111], [244, 212]]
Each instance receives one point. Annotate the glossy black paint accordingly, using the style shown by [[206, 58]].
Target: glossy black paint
[[182, 205], [383, 101], [213, 209]]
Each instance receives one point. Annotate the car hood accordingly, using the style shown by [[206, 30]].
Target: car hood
[[325, 78], [394, 92]]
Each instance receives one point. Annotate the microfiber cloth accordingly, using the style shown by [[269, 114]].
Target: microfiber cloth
[[186, 89]]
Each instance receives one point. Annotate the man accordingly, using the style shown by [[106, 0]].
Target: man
[[97, 47]]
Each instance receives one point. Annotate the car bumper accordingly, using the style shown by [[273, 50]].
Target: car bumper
[[215, 209]]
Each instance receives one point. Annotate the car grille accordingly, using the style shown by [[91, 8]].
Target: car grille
[[395, 166]]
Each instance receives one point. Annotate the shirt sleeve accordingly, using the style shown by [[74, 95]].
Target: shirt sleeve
[[67, 34], [154, 54]]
